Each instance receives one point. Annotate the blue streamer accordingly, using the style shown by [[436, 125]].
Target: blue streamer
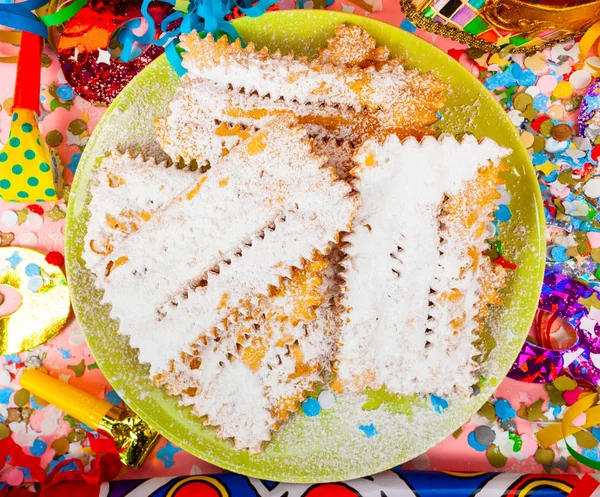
[[16, 17], [203, 16]]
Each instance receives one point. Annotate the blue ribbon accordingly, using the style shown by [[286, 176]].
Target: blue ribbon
[[21, 19]]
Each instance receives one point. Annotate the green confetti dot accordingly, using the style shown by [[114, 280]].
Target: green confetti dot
[[3, 157], [54, 138], [29, 154], [564, 384], [50, 192], [46, 61], [14, 142], [77, 126], [22, 194], [21, 398], [495, 457], [544, 456], [4, 431], [27, 127], [33, 181], [17, 169], [44, 167], [5, 184]]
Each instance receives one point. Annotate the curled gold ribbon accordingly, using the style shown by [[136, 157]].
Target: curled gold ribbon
[[11, 38], [587, 42]]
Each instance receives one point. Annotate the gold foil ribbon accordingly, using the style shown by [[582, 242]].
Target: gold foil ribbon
[[12, 38]]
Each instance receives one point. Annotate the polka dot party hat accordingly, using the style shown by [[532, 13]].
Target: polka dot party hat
[[29, 171]]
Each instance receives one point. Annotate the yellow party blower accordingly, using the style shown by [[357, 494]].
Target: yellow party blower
[[29, 171], [133, 437]]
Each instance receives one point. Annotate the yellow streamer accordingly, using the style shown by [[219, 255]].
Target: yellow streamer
[[12, 38], [587, 42]]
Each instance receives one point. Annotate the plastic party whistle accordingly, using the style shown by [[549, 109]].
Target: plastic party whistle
[[29, 171], [133, 437]]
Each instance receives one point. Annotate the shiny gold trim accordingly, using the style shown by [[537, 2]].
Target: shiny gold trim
[[533, 19], [132, 435], [418, 19]]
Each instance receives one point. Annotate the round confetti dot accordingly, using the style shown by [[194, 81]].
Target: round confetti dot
[[60, 446], [5, 184], [28, 240], [22, 194], [564, 89], [559, 253], [14, 142], [527, 139], [580, 79], [535, 62], [21, 398], [15, 477], [34, 221], [484, 435], [537, 122], [546, 128], [595, 154], [311, 407], [44, 167], [9, 218], [77, 126], [554, 146], [57, 259], [32, 270], [326, 399], [504, 410], [38, 448], [36, 209], [4, 378], [495, 457], [509, 425], [547, 83], [17, 169], [33, 181], [4, 431], [562, 132], [46, 61], [503, 214], [50, 192], [29, 154], [473, 443], [27, 127], [3, 157], [556, 112], [544, 456], [54, 138], [522, 101], [539, 144], [35, 283], [64, 92]]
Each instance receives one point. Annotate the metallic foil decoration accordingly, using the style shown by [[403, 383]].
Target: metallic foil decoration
[[493, 25], [83, 47], [45, 304], [565, 298], [132, 435]]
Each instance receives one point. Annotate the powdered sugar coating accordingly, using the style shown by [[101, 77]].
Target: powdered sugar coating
[[119, 205], [393, 333], [250, 218]]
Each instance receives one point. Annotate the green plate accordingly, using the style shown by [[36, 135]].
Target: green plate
[[329, 446]]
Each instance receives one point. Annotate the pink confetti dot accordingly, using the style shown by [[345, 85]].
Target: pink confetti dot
[[28, 240], [594, 239], [529, 445], [14, 477], [547, 83]]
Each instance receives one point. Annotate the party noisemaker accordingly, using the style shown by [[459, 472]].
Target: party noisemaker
[[29, 171]]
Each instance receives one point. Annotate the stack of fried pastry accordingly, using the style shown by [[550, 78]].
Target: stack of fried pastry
[[324, 237]]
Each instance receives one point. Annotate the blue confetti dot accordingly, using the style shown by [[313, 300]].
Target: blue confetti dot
[[539, 158], [311, 407], [504, 410], [438, 403], [14, 358], [34, 404], [406, 25], [559, 254], [113, 397], [540, 102], [166, 454], [38, 448], [369, 430], [596, 433], [64, 92], [474, 443], [526, 78], [591, 453], [503, 213], [5, 394], [32, 270], [65, 353]]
